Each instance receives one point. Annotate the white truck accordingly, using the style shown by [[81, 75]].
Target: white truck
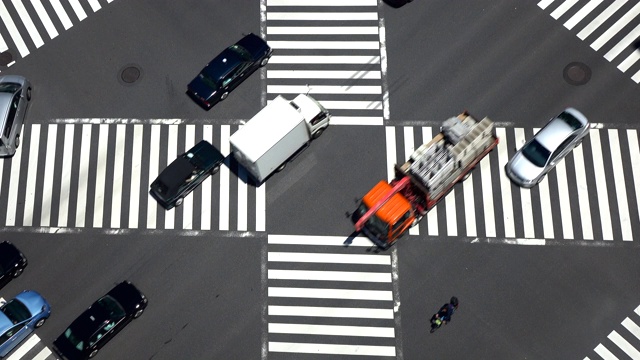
[[275, 134]]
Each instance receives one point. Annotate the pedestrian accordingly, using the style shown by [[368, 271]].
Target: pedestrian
[[443, 316]]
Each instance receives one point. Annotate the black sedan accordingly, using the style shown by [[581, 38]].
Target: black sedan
[[12, 262], [228, 70], [100, 322], [185, 173]]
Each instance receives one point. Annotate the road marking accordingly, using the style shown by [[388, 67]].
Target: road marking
[[334, 312], [432, 215], [604, 353], [357, 120], [324, 59], [505, 184], [83, 175], [324, 89], [207, 186], [324, 16], [223, 221], [43, 354], [327, 258], [13, 30], [322, 3], [77, 8], [624, 345], [154, 160], [525, 196], [242, 199], [632, 327], [323, 30], [95, 5], [409, 147], [136, 167], [582, 188], [65, 179], [390, 133], [600, 19], [560, 10], [32, 175], [187, 205], [636, 77], [630, 60], [634, 153], [564, 200], [601, 185], [450, 213], [311, 348], [172, 154], [615, 28], [623, 44], [118, 170], [62, 14], [323, 74], [261, 207], [322, 275], [620, 185], [544, 3], [582, 13], [24, 348], [318, 293], [101, 173], [332, 330], [325, 45], [487, 199], [28, 23]]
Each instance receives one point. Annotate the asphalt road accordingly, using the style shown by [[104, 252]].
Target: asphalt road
[[208, 290]]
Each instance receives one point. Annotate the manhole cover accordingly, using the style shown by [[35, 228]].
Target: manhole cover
[[577, 73], [5, 58], [130, 74]]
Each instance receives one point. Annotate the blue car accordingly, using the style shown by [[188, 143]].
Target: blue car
[[20, 317]]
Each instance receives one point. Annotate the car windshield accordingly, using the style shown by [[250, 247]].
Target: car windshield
[[73, 339], [9, 87], [16, 311], [244, 54], [570, 120], [536, 153], [112, 307]]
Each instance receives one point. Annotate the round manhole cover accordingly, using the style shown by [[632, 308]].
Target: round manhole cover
[[129, 74], [5, 58], [577, 73]]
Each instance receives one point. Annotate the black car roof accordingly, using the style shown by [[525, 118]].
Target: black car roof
[[175, 174], [8, 254], [221, 64], [90, 321], [127, 295]]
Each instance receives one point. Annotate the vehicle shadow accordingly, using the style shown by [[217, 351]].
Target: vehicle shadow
[[397, 3]]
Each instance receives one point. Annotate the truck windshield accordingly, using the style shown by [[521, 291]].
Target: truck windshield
[[374, 225]]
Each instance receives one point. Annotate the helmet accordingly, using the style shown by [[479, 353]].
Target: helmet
[[454, 301]]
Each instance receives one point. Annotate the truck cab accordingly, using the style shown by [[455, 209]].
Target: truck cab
[[316, 116]]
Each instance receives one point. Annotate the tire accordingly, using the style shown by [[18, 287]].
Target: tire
[[264, 61], [17, 273], [40, 322], [281, 167], [215, 169], [318, 133], [28, 94], [138, 313], [466, 176], [178, 202], [17, 141], [224, 95], [93, 353]]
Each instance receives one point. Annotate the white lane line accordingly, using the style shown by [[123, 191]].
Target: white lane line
[[323, 74], [469, 207], [13, 30], [544, 3], [65, 179], [118, 170], [322, 3], [324, 89], [601, 185], [615, 28], [322, 15], [409, 147], [187, 205], [43, 354], [154, 159], [136, 166], [582, 13], [101, 173], [636, 77], [525, 196], [624, 345], [604, 353], [49, 166], [563, 199], [450, 213], [583, 190], [331, 349], [600, 19], [505, 184], [324, 45], [83, 175], [95, 5], [317, 293], [62, 14], [207, 185], [25, 348], [560, 10], [620, 185], [328, 59], [328, 258], [28, 23], [432, 215], [357, 120], [261, 206], [335, 312], [545, 206], [352, 105], [332, 330], [223, 221], [32, 171], [172, 154], [630, 60], [390, 134], [632, 327], [487, 198], [320, 275], [623, 44], [322, 30], [77, 8], [317, 240], [634, 153]]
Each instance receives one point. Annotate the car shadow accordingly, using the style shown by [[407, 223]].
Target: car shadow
[[396, 3]]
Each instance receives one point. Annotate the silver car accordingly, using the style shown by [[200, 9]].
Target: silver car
[[15, 94], [550, 145]]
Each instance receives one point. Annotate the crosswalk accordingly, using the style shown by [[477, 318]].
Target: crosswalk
[[33, 349], [594, 194], [327, 299], [95, 173], [333, 49], [621, 344], [26, 23], [611, 26]]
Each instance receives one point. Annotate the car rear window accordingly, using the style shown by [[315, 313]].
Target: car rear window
[[570, 120]]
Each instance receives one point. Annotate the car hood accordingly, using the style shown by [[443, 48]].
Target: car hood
[[254, 45], [524, 169], [33, 301], [127, 295]]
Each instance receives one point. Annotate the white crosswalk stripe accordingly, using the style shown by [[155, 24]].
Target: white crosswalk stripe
[[573, 202], [341, 301], [31, 349], [623, 343], [339, 60], [618, 40], [97, 175]]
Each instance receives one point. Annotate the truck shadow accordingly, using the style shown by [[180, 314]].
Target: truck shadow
[[239, 171]]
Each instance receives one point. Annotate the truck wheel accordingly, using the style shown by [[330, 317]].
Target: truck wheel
[[318, 133], [281, 167]]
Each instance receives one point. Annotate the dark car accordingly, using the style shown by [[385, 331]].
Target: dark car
[[185, 173], [12, 262], [228, 70], [100, 322]]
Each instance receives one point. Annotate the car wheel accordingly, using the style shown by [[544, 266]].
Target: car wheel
[[179, 202], [40, 322], [224, 95], [138, 313], [318, 133], [28, 94], [17, 141], [215, 169], [93, 353], [264, 61], [17, 273]]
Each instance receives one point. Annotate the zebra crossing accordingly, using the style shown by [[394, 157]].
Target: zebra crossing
[[25, 22], [333, 49], [327, 299], [95, 173], [599, 22], [594, 194], [32, 348], [623, 344]]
